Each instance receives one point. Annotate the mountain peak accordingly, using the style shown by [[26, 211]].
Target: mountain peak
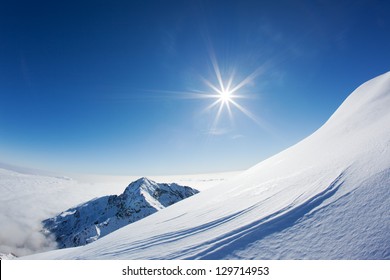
[[140, 185], [98, 217], [141, 181]]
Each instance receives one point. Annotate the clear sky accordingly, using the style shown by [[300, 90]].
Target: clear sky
[[111, 86]]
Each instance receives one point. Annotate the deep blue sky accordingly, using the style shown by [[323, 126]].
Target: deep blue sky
[[99, 86]]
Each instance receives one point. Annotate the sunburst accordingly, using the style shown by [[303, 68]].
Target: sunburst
[[226, 93]]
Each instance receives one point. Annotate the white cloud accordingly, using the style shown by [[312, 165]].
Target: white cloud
[[218, 131]]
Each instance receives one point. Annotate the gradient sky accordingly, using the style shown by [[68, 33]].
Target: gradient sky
[[104, 86]]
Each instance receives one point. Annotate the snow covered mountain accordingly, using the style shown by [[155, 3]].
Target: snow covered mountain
[[30, 196], [327, 197], [96, 218]]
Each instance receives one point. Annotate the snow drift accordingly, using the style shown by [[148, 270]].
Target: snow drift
[[96, 218], [327, 197]]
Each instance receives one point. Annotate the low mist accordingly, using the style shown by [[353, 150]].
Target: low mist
[[27, 199], [22, 236]]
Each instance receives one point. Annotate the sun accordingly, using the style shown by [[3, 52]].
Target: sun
[[226, 95], [226, 92]]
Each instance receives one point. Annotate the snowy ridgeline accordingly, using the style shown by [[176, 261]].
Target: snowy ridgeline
[[98, 217]]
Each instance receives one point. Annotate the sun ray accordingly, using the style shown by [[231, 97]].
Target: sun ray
[[212, 105], [248, 114], [230, 81], [216, 70], [249, 79], [218, 115], [229, 111], [213, 86]]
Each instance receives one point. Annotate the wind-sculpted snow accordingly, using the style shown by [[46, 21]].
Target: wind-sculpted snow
[[96, 218], [353, 226], [259, 229], [327, 197]]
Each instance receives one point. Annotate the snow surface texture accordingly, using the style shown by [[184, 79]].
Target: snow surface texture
[[327, 197], [98, 217]]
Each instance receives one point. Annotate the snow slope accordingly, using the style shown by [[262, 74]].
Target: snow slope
[[29, 196], [96, 218], [327, 197]]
